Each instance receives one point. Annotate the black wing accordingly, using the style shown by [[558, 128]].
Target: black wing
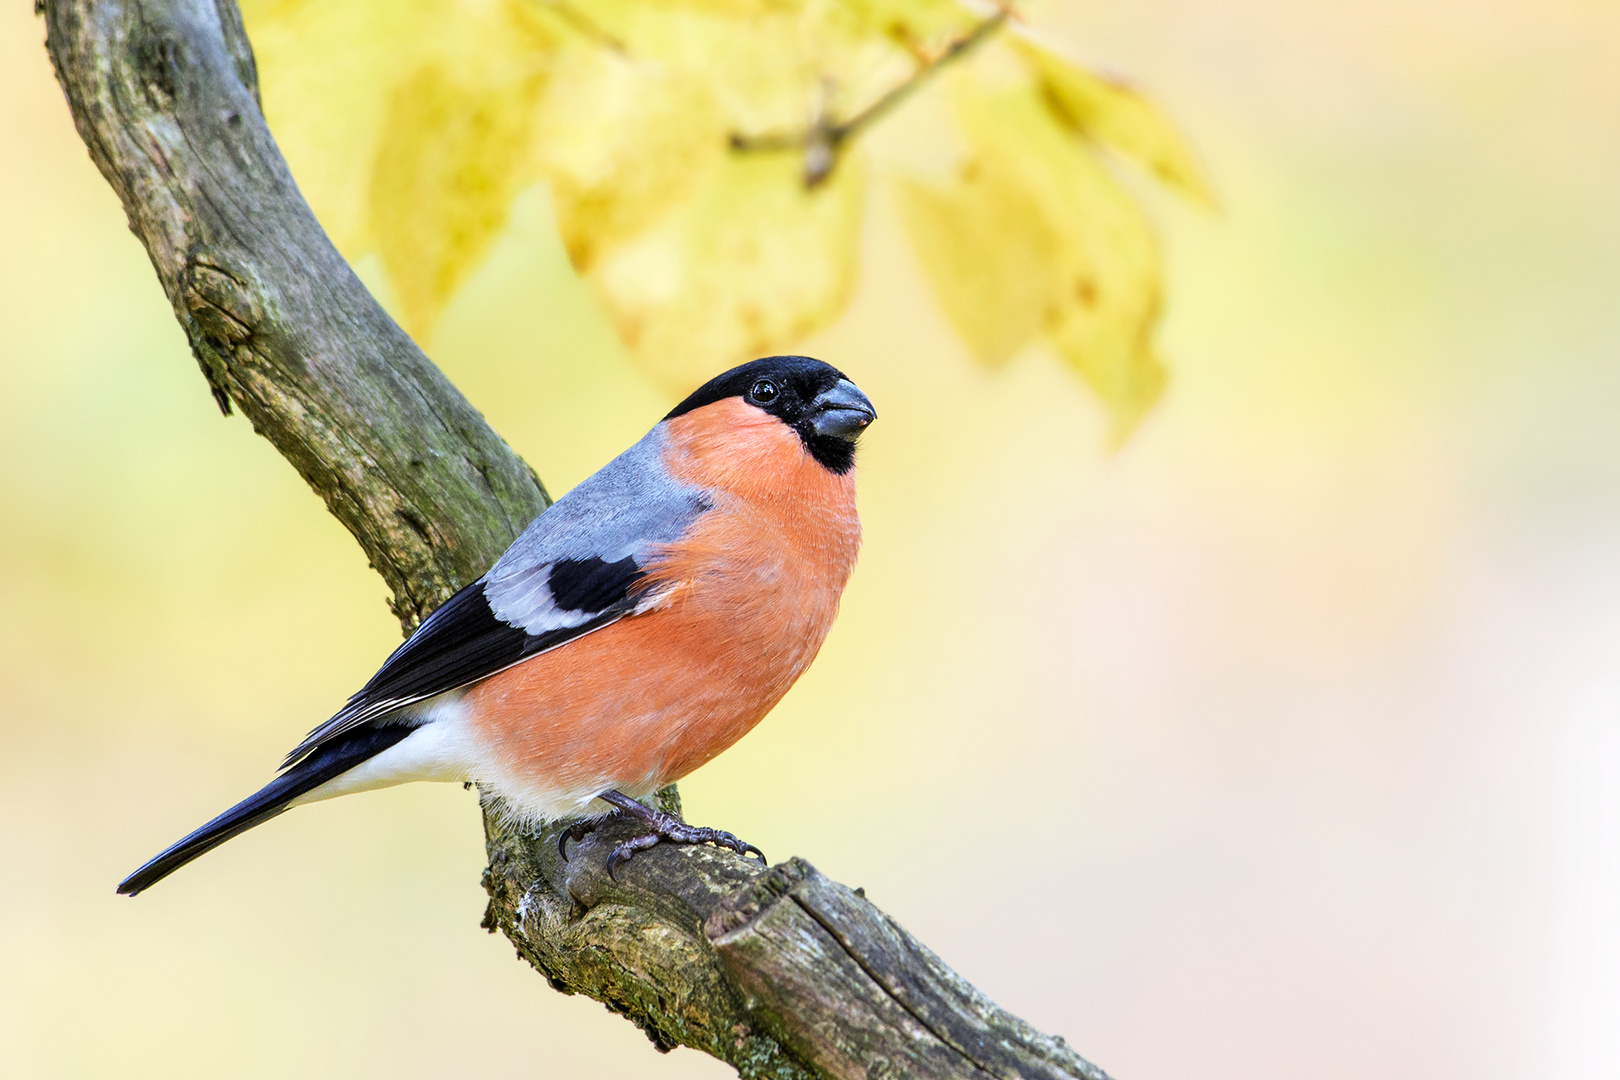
[[575, 569], [463, 640]]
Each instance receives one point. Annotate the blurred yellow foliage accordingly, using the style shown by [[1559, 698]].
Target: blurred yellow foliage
[[454, 152], [984, 240], [751, 263], [1109, 112], [330, 74], [622, 143], [676, 139], [1099, 290]]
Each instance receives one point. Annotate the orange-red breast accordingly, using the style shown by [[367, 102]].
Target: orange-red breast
[[637, 628]]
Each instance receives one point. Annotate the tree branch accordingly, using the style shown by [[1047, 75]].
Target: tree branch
[[780, 972]]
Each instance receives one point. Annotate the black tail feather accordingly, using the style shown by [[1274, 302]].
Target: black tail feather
[[336, 757]]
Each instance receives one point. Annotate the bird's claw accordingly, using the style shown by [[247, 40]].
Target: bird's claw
[[668, 828], [657, 827], [576, 832]]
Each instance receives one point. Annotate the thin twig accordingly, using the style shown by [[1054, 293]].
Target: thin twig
[[956, 49], [825, 138], [585, 25]]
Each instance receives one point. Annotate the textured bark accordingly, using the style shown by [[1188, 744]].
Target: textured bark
[[780, 972]]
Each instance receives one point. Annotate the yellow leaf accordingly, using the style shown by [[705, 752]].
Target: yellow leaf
[[447, 167], [748, 266], [329, 74], [622, 140], [1130, 381], [984, 242], [411, 125], [1106, 294], [1114, 114], [326, 72]]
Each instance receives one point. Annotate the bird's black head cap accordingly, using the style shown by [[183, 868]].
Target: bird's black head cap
[[813, 398]]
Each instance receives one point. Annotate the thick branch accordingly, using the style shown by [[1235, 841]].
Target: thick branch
[[780, 972]]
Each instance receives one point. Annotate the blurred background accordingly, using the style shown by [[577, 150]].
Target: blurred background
[[1284, 742]]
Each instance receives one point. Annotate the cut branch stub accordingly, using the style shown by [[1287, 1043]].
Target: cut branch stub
[[780, 972]]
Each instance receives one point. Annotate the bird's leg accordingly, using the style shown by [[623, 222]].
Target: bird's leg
[[659, 827]]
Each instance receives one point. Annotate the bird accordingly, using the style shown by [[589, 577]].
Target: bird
[[637, 627]]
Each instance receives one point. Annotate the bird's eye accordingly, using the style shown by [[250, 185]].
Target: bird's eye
[[764, 392]]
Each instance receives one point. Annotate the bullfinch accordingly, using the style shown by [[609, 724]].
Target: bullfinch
[[637, 628]]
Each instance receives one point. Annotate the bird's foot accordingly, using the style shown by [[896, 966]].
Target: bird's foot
[[659, 828], [663, 827]]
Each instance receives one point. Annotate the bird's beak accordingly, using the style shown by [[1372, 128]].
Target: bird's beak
[[843, 411]]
